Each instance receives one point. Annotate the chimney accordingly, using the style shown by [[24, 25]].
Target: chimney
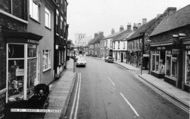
[[101, 34], [135, 27], [139, 25], [170, 10], [144, 21], [112, 31], [121, 28], [95, 35], [128, 27]]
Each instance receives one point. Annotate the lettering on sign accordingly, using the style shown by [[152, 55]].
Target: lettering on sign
[[32, 41], [175, 51]]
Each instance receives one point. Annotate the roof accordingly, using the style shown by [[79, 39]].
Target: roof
[[146, 28], [112, 35], [123, 35], [179, 19]]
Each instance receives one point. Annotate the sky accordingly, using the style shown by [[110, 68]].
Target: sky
[[93, 16]]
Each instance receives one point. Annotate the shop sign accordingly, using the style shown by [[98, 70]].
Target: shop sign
[[19, 72], [175, 51], [33, 41], [161, 48]]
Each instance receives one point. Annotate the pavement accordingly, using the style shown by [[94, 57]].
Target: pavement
[[60, 93], [179, 95]]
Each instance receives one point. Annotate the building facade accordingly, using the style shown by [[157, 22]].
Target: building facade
[[60, 37], [170, 45], [18, 49]]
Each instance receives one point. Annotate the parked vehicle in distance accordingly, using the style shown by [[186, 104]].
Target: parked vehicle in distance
[[109, 59], [81, 61]]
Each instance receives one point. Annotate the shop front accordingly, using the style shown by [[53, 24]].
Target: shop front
[[187, 69], [21, 65]]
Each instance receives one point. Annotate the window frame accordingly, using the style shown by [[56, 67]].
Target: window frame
[[32, 11], [48, 19], [46, 66]]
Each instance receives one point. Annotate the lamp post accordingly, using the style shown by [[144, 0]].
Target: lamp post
[[178, 44]]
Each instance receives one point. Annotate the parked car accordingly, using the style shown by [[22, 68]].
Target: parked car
[[109, 59], [81, 61]]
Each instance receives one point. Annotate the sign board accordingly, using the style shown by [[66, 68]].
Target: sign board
[[175, 51], [19, 72]]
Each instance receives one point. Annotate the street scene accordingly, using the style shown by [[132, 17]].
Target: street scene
[[110, 91], [94, 59]]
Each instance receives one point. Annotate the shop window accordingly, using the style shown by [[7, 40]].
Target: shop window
[[34, 10], [174, 67], [46, 60], [32, 67], [15, 71], [157, 62], [47, 18], [16, 51], [187, 77], [168, 65]]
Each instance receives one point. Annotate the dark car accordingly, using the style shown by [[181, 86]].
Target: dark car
[[109, 59]]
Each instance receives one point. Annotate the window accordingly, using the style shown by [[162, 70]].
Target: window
[[155, 61], [34, 10], [61, 23], [168, 63], [57, 16], [15, 7], [46, 60], [187, 70], [47, 18], [118, 44]]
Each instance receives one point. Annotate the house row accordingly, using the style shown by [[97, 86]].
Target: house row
[[160, 45], [33, 45]]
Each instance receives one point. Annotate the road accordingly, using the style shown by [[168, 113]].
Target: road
[[109, 91]]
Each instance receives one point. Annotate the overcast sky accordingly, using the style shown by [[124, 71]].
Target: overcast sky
[[91, 16]]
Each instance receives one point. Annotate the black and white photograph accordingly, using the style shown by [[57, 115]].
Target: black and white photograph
[[94, 59]]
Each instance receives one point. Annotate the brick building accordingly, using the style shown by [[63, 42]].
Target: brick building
[[170, 49], [60, 36]]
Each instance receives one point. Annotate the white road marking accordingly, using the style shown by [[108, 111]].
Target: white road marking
[[111, 81], [78, 97], [129, 104], [74, 101]]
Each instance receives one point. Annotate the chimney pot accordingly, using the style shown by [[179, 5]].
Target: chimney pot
[[121, 28]]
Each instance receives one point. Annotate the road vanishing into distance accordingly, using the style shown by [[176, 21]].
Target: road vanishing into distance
[[109, 91]]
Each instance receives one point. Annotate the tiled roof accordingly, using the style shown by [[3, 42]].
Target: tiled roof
[[112, 35], [179, 19], [123, 35], [146, 28]]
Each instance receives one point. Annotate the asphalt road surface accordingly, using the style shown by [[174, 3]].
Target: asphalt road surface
[[108, 91]]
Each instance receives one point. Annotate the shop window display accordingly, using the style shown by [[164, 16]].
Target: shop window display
[[153, 62], [187, 80], [16, 79], [157, 62], [168, 65], [174, 67], [21, 70]]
